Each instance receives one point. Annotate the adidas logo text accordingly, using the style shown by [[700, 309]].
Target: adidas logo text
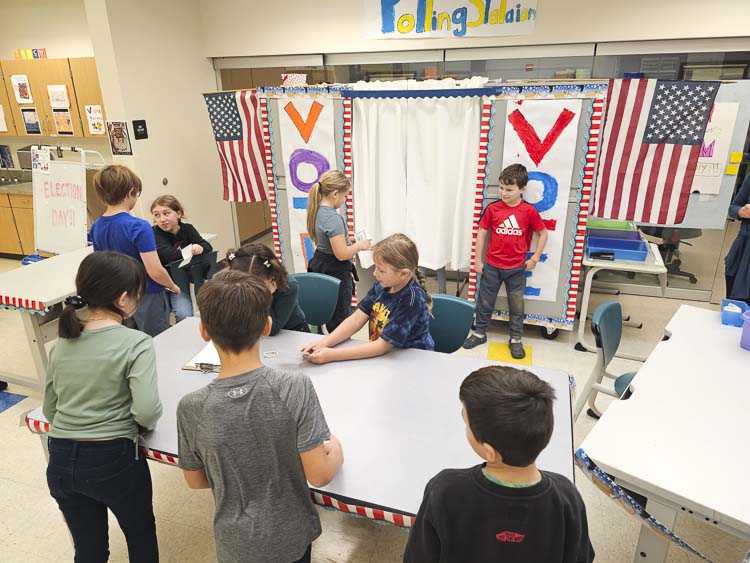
[[509, 227], [507, 231]]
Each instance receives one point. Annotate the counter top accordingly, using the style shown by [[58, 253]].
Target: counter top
[[24, 188]]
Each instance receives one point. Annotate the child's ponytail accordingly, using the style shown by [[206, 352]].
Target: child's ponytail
[[313, 202], [69, 325], [423, 282]]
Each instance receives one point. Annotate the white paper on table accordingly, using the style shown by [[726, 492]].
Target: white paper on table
[[208, 356], [3, 124], [58, 96], [187, 255]]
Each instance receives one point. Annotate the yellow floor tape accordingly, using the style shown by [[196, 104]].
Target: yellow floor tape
[[500, 352]]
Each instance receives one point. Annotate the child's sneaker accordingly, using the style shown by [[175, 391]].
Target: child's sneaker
[[473, 341], [516, 349]]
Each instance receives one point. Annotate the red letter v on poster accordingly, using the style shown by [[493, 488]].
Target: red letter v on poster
[[538, 149], [305, 127]]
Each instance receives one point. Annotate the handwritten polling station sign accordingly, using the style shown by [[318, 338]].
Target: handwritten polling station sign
[[419, 19]]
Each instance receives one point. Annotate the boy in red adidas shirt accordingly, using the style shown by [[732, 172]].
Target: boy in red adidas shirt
[[511, 223]]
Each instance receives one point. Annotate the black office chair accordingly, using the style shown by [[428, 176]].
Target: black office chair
[[669, 247]]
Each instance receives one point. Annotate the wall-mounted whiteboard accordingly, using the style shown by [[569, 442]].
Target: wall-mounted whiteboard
[[60, 207]]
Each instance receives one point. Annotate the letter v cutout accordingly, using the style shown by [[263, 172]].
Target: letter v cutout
[[305, 127], [538, 149]]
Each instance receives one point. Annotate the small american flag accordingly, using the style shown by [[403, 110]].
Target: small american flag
[[652, 140], [239, 140]]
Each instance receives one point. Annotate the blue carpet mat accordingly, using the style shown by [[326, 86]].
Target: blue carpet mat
[[7, 400]]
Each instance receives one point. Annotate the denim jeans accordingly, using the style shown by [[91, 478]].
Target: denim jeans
[[152, 315], [489, 286], [182, 306], [87, 478]]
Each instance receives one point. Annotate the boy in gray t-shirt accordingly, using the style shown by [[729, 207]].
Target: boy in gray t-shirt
[[255, 435]]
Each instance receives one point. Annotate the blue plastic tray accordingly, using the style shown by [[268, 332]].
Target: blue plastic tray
[[623, 249]]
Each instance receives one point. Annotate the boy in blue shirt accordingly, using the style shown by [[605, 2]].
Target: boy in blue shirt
[[117, 230], [504, 509]]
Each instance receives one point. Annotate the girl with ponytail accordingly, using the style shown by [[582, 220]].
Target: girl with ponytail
[[334, 251], [397, 308], [100, 390]]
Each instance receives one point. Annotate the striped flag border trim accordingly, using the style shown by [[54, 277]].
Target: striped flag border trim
[[347, 166], [270, 175], [482, 164], [585, 190]]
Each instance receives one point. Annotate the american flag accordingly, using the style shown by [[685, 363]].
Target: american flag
[[652, 140], [239, 140]]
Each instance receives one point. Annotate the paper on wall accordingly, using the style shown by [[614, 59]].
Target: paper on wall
[[542, 135], [95, 119], [21, 88], [63, 121], [40, 160], [31, 121], [58, 96], [715, 148], [3, 124]]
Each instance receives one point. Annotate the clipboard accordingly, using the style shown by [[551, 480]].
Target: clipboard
[[206, 361]]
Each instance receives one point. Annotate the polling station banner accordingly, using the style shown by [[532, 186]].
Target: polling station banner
[[420, 19]]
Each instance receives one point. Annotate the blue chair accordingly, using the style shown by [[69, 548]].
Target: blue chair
[[318, 295], [450, 322], [606, 324]]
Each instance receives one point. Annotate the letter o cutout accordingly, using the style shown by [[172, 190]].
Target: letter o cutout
[[549, 193], [305, 156]]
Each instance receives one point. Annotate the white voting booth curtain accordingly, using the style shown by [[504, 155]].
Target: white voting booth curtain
[[414, 169], [443, 147]]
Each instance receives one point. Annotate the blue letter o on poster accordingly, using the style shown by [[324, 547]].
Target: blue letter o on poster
[[549, 193], [304, 156]]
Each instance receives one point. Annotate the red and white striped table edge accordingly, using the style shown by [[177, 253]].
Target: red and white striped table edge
[[322, 499]]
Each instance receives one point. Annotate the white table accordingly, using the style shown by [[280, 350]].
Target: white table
[[34, 291], [681, 439], [398, 417], [652, 265]]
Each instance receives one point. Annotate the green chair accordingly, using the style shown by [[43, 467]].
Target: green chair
[[201, 268], [450, 322], [318, 295], [606, 324]]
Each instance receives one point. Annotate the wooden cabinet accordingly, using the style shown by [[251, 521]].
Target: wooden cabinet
[[9, 243], [7, 112], [25, 226], [88, 92], [43, 72]]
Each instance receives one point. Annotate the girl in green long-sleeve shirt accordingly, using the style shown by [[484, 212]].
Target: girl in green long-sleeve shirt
[[101, 389]]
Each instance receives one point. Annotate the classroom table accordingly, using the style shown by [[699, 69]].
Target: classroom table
[[37, 291], [681, 438], [652, 265], [398, 417]]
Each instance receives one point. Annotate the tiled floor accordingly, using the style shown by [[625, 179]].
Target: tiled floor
[[32, 529]]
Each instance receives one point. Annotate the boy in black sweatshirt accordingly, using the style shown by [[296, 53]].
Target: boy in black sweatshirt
[[504, 510]]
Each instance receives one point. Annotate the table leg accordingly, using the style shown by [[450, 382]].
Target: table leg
[[581, 345], [653, 547], [32, 324]]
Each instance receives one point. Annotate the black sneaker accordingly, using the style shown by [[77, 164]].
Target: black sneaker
[[473, 341], [516, 350]]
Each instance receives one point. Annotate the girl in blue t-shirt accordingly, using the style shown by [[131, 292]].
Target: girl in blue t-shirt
[[397, 308]]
